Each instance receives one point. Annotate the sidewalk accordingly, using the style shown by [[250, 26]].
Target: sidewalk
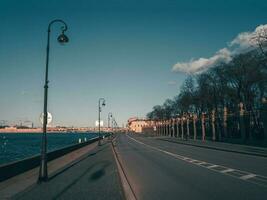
[[222, 146], [93, 177]]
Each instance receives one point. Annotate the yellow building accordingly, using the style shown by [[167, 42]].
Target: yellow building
[[138, 125]]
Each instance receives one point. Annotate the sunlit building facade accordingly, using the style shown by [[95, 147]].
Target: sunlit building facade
[[138, 125]]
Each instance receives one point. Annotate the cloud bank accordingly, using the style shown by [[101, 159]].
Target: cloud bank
[[243, 42]]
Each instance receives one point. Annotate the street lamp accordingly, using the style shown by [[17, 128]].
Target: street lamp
[[112, 124], [62, 39], [115, 125], [99, 111], [109, 116]]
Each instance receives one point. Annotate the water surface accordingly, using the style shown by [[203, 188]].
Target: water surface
[[16, 146]]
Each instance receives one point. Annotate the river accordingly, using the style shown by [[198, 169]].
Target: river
[[17, 146]]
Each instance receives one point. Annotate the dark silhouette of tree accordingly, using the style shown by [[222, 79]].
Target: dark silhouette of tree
[[244, 79]]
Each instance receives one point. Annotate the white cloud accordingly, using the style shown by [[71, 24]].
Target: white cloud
[[247, 39], [241, 43], [199, 65]]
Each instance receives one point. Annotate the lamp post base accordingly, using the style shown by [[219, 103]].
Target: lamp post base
[[42, 179], [43, 176]]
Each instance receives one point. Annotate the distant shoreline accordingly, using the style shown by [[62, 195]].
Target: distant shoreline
[[49, 130], [15, 130]]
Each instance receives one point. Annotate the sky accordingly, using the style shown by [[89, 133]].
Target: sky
[[135, 54]]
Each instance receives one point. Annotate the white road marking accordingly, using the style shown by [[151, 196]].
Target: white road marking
[[246, 177], [192, 161], [227, 170], [188, 159], [201, 163], [210, 166]]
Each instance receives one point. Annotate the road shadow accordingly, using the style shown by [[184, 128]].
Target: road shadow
[[70, 165], [98, 174], [100, 168]]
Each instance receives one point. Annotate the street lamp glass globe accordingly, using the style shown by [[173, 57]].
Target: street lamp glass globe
[[62, 38]]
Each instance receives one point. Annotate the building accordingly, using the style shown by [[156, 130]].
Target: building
[[138, 125]]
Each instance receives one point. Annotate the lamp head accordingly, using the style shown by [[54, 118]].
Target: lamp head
[[62, 38], [103, 104]]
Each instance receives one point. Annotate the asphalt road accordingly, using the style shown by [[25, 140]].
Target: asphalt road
[[161, 170]]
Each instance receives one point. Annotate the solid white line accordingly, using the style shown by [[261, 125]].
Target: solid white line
[[246, 177]]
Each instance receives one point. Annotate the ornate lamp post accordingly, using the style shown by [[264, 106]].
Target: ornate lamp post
[[109, 116], [99, 111], [62, 38]]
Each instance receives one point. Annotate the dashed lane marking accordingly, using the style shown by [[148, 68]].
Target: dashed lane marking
[[241, 175], [212, 166], [246, 177], [200, 163], [193, 161], [227, 170]]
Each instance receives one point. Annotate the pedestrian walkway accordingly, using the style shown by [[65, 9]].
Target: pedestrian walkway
[[93, 177], [244, 149]]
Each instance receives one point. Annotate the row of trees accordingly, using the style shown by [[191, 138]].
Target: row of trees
[[244, 79]]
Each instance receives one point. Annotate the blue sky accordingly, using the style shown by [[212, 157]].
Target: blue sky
[[121, 50]]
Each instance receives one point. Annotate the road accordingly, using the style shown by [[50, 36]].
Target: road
[[158, 169]]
